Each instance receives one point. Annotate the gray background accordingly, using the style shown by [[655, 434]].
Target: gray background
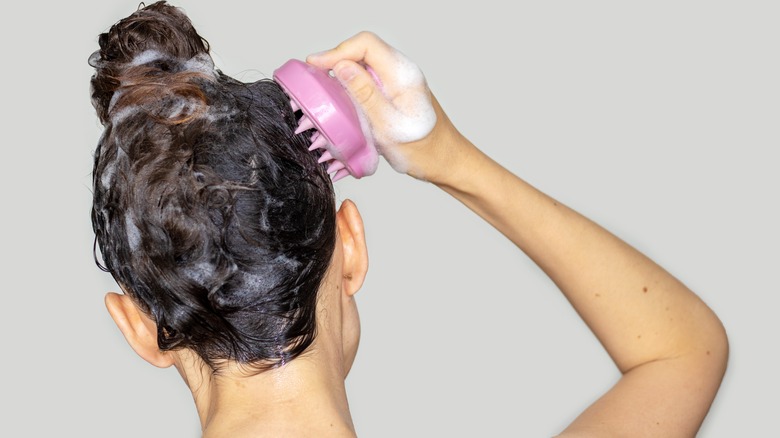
[[659, 120]]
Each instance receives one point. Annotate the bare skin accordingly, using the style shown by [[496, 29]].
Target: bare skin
[[236, 402], [669, 346]]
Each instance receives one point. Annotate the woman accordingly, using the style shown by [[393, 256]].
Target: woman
[[237, 269]]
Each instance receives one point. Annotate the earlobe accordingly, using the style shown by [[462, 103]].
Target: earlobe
[[139, 331], [353, 243]]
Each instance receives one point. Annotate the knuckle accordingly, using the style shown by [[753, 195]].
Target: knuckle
[[366, 34], [368, 38]]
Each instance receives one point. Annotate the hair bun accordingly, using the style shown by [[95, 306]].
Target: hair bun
[[147, 49]]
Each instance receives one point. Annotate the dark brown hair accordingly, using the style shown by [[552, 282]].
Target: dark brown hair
[[208, 209]]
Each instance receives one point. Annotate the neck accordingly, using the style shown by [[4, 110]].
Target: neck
[[304, 397]]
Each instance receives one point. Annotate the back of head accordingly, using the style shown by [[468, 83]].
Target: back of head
[[208, 209]]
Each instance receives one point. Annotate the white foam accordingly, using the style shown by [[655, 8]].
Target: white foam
[[271, 274], [201, 63], [180, 108], [94, 59], [261, 282], [407, 73], [291, 264], [114, 97], [117, 116], [146, 57], [409, 117], [199, 273], [214, 113], [365, 126], [395, 158], [108, 176], [109, 171], [133, 233]]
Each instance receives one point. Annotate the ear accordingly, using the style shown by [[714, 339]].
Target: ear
[[139, 331], [353, 243]]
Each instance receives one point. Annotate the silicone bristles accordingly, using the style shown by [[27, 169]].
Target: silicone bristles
[[327, 108]]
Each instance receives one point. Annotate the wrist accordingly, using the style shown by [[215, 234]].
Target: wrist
[[464, 169], [443, 155]]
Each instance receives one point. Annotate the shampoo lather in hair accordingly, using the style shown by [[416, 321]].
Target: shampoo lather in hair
[[327, 108]]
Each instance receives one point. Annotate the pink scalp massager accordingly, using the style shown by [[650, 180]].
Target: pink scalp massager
[[327, 107]]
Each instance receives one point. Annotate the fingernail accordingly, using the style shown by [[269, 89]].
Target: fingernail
[[345, 72]]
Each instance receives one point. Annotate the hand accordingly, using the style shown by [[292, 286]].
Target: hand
[[407, 123]]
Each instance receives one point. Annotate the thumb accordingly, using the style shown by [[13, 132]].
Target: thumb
[[362, 86]]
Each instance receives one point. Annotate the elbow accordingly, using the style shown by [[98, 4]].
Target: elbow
[[714, 361], [719, 346], [705, 345], [710, 350]]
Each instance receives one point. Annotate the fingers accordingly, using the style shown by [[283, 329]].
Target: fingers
[[366, 49], [361, 85], [390, 90]]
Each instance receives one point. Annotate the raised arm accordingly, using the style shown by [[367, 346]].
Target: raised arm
[[669, 346]]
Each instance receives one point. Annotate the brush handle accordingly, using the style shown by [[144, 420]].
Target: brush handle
[[328, 108]]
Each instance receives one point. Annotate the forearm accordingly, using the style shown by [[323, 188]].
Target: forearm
[[638, 311], [669, 346]]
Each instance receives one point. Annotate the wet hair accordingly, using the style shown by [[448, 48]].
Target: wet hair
[[208, 209]]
